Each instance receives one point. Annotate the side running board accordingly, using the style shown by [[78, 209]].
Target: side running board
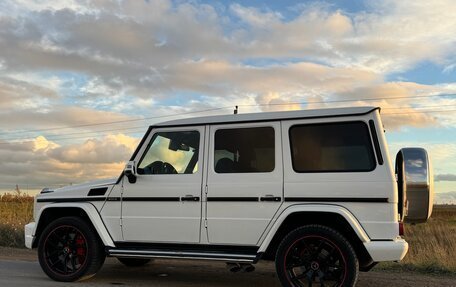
[[228, 253], [201, 255]]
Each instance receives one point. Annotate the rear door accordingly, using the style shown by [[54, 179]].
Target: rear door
[[244, 182]]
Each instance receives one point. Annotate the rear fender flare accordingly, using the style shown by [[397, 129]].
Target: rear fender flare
[[326, 208]]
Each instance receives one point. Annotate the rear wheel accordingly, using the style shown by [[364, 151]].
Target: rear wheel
[[133, 262], [69, 250], [316, 255]]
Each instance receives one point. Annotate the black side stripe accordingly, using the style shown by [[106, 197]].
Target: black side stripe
[[376, 144], [144, 199], [232, 199], [271, 198], [219, 199], [63, 199], [97, 191], [85, 199], [336, 199], [151, 199]]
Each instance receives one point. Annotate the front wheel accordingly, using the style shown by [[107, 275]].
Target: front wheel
[[316, 255], [69, 250]]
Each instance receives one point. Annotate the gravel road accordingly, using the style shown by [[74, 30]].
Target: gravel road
[[19, 268]]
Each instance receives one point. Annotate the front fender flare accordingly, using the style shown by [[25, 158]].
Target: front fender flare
[[326, 208], [91, 212]]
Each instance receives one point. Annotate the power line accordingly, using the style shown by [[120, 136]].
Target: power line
[[59, 136], [421, 107], [350, 100], [114, 122], [221, 108], [138, 128], [74, 137], [97, 131], [420, 112], [22, 141], [145, 126], [134, 128]]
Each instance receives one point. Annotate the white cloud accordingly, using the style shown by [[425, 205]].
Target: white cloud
[[160, 48], [42, 144], [19, 94], [109, 149], [449, 68], [57, 117], [43, 162], [254, 17], [445, 177], [442, 155], [135, 55]]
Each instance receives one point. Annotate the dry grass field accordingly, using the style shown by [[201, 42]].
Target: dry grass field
[[16, 210], [432, 245]]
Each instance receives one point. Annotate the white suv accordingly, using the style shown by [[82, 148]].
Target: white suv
[[313, 190]]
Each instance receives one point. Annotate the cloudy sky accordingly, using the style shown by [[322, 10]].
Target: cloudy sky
[[81, 80]]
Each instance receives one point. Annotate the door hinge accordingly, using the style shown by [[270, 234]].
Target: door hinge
[[205, 189], [120, 221], [205, 223]]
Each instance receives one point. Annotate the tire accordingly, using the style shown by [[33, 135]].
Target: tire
[[315, 255], [133, 262], [70, 250]]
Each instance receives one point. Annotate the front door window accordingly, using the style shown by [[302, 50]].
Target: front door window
[[171, 153]]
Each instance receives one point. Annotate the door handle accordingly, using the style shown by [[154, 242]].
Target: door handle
[[270, 197], [190, 197]]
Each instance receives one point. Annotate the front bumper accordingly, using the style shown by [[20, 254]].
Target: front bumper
[[393, 250], [29, 233]]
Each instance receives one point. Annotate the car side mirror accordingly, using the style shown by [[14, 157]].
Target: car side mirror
[[130, 171]]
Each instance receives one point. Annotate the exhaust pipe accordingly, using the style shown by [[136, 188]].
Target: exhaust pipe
[[247, 268], [240, 267], [233, 267]]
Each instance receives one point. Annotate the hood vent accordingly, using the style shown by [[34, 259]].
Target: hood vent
[[97, 191]]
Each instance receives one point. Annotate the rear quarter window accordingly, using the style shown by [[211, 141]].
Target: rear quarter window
[[332, 147]]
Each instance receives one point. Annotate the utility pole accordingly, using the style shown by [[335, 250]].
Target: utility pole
[[17, 190]]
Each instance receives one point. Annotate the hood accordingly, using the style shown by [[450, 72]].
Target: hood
[[88, 184], [79, 190]]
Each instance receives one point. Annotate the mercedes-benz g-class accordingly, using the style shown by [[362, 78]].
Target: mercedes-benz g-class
[[313, 190]]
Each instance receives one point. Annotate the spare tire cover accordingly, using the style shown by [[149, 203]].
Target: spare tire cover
[[415, 184], [401, 186]]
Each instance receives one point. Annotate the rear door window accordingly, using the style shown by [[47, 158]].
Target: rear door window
[[244, 150]]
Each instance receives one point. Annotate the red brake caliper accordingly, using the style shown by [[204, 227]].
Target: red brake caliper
[[81, 251]]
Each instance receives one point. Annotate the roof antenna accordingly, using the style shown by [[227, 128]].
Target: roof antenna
[[236, 110]]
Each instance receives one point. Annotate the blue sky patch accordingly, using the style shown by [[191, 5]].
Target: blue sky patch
[[425, 73]]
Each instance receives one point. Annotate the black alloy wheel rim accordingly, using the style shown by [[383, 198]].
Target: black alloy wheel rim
[[65, 250], [315, 261]]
